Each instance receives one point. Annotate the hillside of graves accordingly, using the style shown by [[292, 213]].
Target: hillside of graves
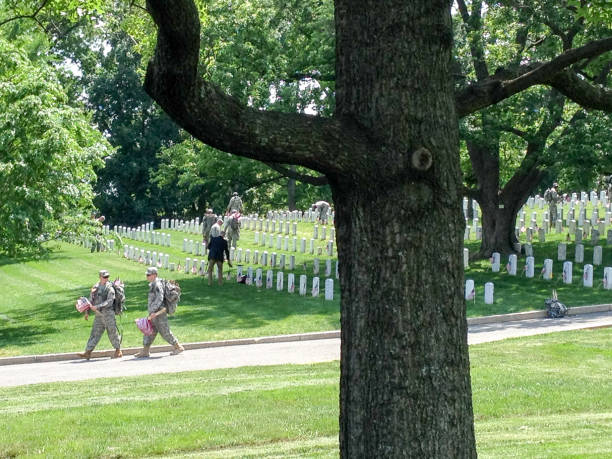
[[291, 277], [572, 256]]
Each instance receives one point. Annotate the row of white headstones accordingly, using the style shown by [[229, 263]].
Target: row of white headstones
[[545, 225], [253, 277], [546, 272], [146, 233], [274, 260]]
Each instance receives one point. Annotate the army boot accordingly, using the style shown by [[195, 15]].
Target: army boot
[[143, 353], [85, 355], [118, 354], [177, 349]]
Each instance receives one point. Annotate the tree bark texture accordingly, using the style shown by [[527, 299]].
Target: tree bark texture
[[390, 154]]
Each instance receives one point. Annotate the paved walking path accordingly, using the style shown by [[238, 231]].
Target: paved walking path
[[301, 349]]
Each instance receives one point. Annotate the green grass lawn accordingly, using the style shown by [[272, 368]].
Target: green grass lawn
[[541, 396]]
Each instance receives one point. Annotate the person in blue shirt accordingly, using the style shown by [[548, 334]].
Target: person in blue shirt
[[216, 250]]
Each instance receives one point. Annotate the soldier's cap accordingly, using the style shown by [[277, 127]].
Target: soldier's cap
[[555, 185], [104, 273], [151, 270], [219, 219]]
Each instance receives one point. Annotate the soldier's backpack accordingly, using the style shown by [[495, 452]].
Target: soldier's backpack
[[119, 303], [548, 195], [554, 308], [234, 223], [172, 295]]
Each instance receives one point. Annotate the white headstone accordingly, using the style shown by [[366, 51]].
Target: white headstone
[[597, 255], [562, 251], [258, 277], [607, 279], [488, 293], [529, 267], [329, 289], [291, 283], [315, 286], [466, 258], [579, 255], [547, 270], [495, 261], [512, 263], [303, 284], [567, 272], [279, 281], [588, 275], [470, 291], [315, 266]]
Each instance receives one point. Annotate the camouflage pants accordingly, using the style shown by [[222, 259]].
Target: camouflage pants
[[160, 324], [232, 237], [552, 213], [104, 320]]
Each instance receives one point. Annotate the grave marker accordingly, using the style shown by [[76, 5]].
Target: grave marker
[[588, 275], [488, 293], [291, 283], [329, 289]]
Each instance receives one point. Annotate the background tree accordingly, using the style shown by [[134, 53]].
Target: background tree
[[49, 151], [137, 128], [525, 140]]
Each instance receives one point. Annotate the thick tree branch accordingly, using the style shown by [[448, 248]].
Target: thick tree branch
[[581, 91], [522, 134], [554, 73], [330, 146], [318, 181]]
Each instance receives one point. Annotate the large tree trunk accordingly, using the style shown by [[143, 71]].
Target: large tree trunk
[[405, 386]]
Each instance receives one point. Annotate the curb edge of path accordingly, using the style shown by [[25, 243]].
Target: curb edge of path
[[499, 318]]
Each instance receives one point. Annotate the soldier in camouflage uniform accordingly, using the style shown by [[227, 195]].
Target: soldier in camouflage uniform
[[231, 226], [551, 196], [207, 223], [321, 208], [158, 316], [234, 204], [101, 298]]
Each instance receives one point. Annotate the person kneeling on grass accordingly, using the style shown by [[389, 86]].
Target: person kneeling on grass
[[158, 316], [216, 249]]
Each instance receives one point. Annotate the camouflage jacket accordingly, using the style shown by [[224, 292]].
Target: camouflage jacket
[[103, 296], [156, 296]]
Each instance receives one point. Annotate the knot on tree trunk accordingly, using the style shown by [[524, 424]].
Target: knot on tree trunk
[[422, 159]]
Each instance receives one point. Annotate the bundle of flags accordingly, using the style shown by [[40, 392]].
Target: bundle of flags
[[82, 304]]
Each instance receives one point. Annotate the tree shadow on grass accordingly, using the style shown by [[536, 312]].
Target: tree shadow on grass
[[236, 305]]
